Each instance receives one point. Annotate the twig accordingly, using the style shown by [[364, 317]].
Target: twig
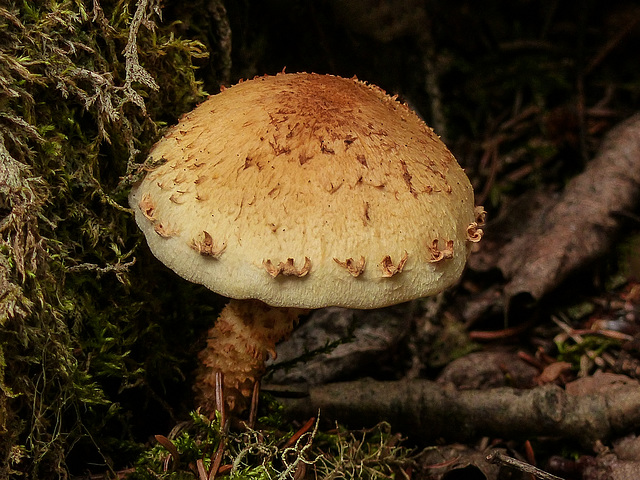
[[305, 428], [217, 460], [611, 45], [253, 411], [500, 458], [202, 472], [220, 405], [479, 335], [171, 448]]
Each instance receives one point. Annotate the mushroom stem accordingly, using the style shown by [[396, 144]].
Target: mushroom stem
[[245, 333]]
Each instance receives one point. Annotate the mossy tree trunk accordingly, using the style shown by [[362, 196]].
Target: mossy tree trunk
[[85, 88]]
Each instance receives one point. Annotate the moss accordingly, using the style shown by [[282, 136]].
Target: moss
[[275, 452], [80, 99]]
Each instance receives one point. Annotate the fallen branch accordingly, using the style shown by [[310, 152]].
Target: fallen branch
[[545, 237], [427, 410]]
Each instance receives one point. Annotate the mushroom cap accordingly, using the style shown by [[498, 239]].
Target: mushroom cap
[[306, 190]]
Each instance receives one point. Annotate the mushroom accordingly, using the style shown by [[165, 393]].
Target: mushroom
[[300, 191]]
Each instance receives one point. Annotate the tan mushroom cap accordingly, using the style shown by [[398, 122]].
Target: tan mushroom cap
[[306, 190]]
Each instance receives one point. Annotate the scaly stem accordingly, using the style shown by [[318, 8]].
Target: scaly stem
[[245, 333]]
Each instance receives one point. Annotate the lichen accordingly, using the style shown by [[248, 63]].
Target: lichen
[[277, 452]]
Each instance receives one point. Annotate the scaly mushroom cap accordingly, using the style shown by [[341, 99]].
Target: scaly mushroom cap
[[305, 190]]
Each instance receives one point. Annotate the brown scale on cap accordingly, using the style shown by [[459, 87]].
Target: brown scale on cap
[[389, 269], [147, 207], [204, 245], [164, 230], [437, 254], [302, 166], [474, 230], [354, 268], [287, 268]]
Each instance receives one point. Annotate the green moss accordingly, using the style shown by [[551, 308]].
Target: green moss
[[590, 347], [80, 99]]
